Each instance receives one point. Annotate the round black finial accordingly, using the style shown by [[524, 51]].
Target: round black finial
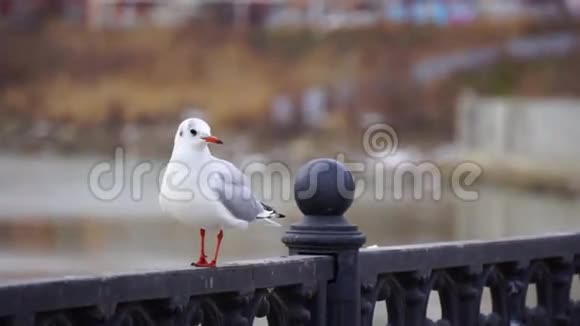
[[324, 187]]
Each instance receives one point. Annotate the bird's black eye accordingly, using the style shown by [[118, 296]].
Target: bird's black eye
[[181, 133], [193, 132]]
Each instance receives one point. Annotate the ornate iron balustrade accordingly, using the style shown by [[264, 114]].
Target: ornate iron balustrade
[[287, 290], [404, 277], [328, 280]]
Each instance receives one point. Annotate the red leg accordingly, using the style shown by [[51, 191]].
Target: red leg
[[220, 236], [202, 261], [202, 234]]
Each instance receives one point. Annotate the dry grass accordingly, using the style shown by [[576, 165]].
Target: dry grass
[[147, 73], [64, 73]]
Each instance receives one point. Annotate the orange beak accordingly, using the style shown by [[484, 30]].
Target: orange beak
[[212, 139]]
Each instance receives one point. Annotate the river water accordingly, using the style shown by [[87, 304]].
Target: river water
[[52, 224], [51, 221]]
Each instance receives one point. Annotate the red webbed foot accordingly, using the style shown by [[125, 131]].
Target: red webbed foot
[[204, 263]]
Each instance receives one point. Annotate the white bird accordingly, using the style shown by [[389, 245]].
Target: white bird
[[207, 192]]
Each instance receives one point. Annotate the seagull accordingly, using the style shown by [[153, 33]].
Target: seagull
[[207, 192]]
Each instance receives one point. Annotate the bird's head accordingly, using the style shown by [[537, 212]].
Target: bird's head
[[195, 133]]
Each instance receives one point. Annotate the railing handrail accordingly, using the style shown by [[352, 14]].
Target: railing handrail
[[179, 283], [468, 253]]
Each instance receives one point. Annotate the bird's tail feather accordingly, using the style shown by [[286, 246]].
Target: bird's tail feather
[[272, 212]]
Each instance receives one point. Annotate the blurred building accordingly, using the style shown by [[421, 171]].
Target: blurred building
[[130, 13], [430, 11], [326, 14], [27, 11], [537, 130], [508, 9], [101, 13], [239, 13]]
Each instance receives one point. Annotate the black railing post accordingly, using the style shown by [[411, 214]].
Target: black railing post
[[324, 190]]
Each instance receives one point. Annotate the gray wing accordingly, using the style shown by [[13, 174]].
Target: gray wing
[[234, 192]]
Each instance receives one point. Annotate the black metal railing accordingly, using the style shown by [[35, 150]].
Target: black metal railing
[[285, 290], [327, 280], [404, 277]]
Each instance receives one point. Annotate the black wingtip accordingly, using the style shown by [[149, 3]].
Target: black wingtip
[[274, 213]]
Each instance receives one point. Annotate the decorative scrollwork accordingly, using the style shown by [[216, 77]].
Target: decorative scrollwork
[[416, 288], [392, 293], [469, 285], [444, 284], [202, 311], [562, 275], [54, 319], [387, 290], [539, 274], [234, 307], [266, 303], [296, 300], [131, 315], [461, 289], [516, 280], [276, 315], [258, 306], [494, 279], [369, 294]]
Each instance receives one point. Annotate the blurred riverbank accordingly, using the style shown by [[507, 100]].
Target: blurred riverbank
[[88, 91], [50, 216]]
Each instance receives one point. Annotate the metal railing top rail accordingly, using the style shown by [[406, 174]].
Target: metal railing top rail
[[468, 253], [177, 284]]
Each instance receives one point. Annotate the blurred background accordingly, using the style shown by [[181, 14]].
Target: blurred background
[[495, 82]]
